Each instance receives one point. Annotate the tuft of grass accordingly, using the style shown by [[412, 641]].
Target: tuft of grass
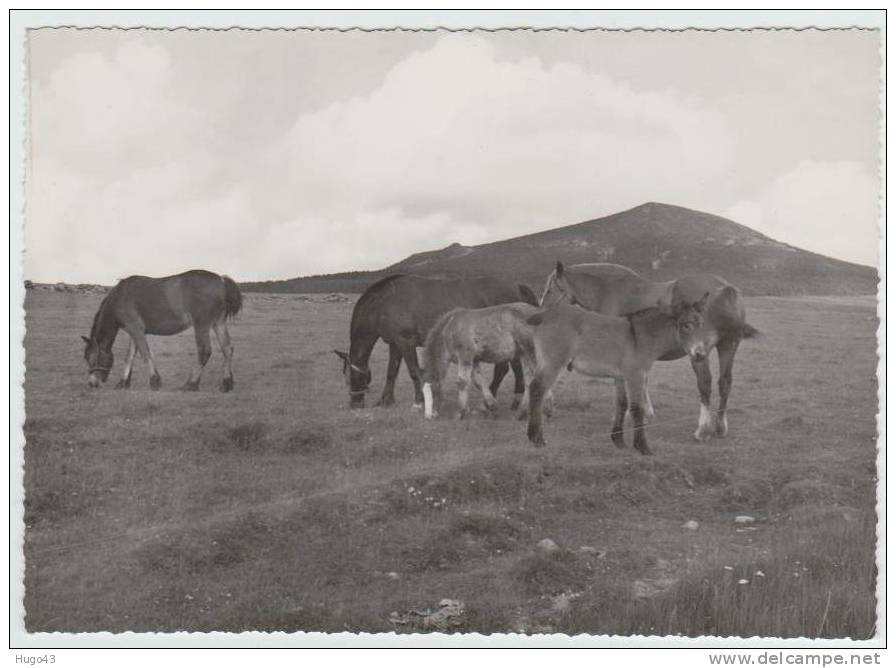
[[815, 584]]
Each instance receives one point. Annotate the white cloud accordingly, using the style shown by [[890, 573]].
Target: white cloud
[[513, 146], [826, 207]]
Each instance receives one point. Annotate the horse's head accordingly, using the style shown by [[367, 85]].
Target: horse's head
[[558, 289], [99, 362], [357, 379], [691, 331]]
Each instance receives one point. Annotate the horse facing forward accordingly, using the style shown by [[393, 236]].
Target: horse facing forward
[[619, 347], [612, 289], [163, 306], [400, 309], [468, 337]]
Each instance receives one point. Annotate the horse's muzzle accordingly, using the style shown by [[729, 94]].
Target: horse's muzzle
[[93, 381], [698, 356], [356, 402]]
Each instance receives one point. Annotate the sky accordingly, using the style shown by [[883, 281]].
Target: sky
[[268, 155]]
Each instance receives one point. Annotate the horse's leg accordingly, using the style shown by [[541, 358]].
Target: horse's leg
[[388, 397], [542, 381], [634, 386], [203, 352], [619, 419], [704, 385], [726, 349], [223, 338], [491, 404], [409, 352], [649, 413], [464, 376], [139, 338], [519, 382], [501, 369], [125, 381]]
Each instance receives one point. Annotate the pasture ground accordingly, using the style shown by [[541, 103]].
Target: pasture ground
[[275, 507]]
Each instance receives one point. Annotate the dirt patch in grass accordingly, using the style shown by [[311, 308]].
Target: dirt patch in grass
[[198, 552], [552, 573], [306, 440], [805, 490], [246, 436], [258, 437], [751, 494], [493, 481], [467, 537], [52, 506]]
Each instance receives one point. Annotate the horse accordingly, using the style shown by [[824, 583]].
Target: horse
[[493, 334], [619, 347], [141, 305], [612, 289], [400, 309]]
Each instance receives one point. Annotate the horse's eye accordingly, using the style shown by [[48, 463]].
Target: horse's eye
[[687, 326]]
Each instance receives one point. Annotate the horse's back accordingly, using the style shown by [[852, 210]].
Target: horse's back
[[171, 303], [408, 303]]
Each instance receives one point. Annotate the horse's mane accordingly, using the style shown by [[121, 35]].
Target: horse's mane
[[369, 295], [640, 313], [100, 310]]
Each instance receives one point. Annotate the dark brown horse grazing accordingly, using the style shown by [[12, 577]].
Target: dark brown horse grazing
[[400, 309], [623, 348], [141, 305], [612, 289]]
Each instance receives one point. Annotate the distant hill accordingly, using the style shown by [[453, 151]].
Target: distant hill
[[659, 241]]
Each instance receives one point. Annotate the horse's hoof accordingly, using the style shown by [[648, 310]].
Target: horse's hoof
[[226, 384], [515, 403], [123, 384], [618, 440], [155, 382], [460, 415], [416, 406], [722, 428], [644, 449], [702, 434], [522, 415], [190, 387], [538, 442], [384, 402]]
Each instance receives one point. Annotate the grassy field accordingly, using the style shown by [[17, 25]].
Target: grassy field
[[275, 507]]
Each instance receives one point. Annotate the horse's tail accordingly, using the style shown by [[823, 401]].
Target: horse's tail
[[749, 332], [528, 295], [233, 298], [433, 349], [736, 318]]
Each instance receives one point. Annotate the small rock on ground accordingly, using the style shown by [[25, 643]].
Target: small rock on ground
[[547, 545]]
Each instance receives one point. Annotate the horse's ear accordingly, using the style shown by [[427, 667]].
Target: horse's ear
[[559, 269], [700, 304], [85, 339], [342, 355]]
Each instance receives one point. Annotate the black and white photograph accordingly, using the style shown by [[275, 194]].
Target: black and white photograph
[[535, 332]]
